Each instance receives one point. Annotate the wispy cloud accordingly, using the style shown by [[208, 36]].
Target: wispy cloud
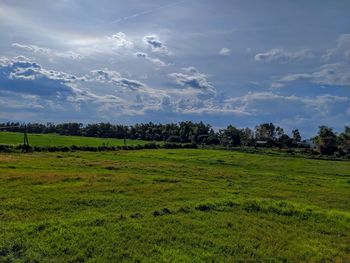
[[47, 51], [225, 51], [282, 56], [337, 74], [136, 15], [155, 61]]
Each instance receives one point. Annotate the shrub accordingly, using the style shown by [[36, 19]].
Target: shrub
[[150, 146], [169, 146], [6, 148], [136, 215], [185, 210], [205, 207], [174, 139], [164, 211]]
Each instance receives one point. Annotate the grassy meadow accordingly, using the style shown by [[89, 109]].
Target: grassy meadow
[[60, 140], [173, 206]]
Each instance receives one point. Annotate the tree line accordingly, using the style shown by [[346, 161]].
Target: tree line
[[264, 135]]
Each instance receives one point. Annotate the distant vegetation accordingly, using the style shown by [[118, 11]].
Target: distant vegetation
[[53, 139], [264, 135]]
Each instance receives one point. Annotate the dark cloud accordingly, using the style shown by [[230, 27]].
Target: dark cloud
[[156, 44], [193, 79], [113, 77], [141, 55], [19, 75]]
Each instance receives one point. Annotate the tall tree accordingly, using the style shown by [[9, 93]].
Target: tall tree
[[344, 141], [231, 136], [296, 136], [266, 132], [326, 140], [247, 137]]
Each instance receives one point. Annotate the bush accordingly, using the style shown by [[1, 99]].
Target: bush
[[170, 146], [164, 211], [190, 146], [6, 148], [150, 146], [205, 207], [174, 139]]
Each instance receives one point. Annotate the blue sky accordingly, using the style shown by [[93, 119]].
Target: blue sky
[[223, 62]]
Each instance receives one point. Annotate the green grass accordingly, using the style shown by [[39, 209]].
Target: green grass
[[173, 206], [59, 140]]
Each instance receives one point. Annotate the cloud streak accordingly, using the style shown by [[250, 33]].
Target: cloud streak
[[136, 15], [225, 51], [337, 74], [155, 61], [282, 56], [48, 52]]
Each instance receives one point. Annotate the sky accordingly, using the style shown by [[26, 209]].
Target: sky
[[240, 62]]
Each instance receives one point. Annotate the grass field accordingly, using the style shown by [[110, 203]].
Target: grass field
[[173, 206], [59, 140]]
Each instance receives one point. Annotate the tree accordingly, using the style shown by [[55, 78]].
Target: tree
[[247, 137], [326, 140], [231, 136], [267, 132], [344, 141], [296, 136], [285, 141], [71, 128], [279, 132]]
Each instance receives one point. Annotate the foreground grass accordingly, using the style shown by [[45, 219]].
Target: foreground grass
[[173, 205], [60, 140]]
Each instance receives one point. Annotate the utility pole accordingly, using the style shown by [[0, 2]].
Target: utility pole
[[26, 145]]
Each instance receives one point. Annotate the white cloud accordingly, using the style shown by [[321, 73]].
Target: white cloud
[[117, 43], [33, 48], [266, 103], [342, 49], [282, 56], [209, 106], [22, 76], [296, 77], [347, 55], [333, 74], [48, 52], [113, 77], [121, 40], [225, 51], [65, 91], [191, 70], [23, 68], [329, 74], [41, 87], [4, 61], [277, 85], [155, 61]]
